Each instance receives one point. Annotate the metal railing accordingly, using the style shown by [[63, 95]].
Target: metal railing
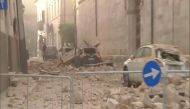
[[105, 74], [70, 79]]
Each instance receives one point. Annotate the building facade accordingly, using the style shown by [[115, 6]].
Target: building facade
[[121, 26], [50, 14], [12, 40], [30, 21], [171, 23], [103, 21]]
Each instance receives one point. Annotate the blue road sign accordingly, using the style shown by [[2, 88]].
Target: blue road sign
[[152, 73], [3, 4]]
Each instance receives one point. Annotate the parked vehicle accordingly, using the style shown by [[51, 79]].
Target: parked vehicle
[[88, 56], [168, 56], [51, 53]]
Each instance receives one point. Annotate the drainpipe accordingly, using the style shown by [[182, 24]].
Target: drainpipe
[[75, 21], [173, 25], [152, 21]]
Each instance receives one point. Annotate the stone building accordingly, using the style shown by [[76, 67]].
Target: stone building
[[12, 40], [121, 26], [103, 21], [50, 14], [29, 24], [170, 23]]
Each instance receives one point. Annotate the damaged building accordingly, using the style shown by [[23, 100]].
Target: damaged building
[[50, 14], [121, 26], [13, 53]]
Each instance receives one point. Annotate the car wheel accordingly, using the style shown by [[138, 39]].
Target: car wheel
[[126, 78]]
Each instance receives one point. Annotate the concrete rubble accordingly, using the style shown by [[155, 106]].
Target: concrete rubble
[[99, 91]]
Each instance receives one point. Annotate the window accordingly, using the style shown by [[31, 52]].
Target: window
[[52, 10], [143, 52], [58, 2], [49, 10], [43, 16], [139, 52], [54, 7], [165, 54], [146, 52]]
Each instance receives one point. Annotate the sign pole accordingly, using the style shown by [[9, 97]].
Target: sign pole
[[164, 89]]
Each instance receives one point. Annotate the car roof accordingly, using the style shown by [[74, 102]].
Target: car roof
[[163, 46]]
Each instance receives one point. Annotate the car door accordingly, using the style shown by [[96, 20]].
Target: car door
[[140, 58], [135, 64]]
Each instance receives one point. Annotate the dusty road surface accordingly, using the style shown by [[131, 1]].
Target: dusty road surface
[[103, 91]]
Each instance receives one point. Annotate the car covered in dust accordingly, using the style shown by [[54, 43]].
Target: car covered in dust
[[168, 57], [88, 56], [51, 53]]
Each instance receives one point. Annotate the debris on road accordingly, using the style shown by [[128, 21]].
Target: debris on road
[[87, 56], [99, 91]]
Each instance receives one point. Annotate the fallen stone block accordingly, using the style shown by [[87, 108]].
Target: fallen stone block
[[157, 99], [175, 79], [146, 100], [137, 105], [112, 104], [78, 98], [142, 88], [14, 82], [172, 95], [173, 106], [126, 100], [116, 97], [122, 106], [182, 104], [158, 106], [10, 93]]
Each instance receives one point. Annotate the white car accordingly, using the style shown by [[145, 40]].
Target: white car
[[168, 56]]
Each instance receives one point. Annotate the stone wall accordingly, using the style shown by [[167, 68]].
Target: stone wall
[[86, 22], [11, 42], [111, 25], [117, 22], [171, 23]]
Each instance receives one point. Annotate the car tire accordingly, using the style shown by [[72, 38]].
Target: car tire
[[126, 78]]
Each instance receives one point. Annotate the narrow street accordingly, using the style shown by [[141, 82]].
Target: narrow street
[[94, 91]]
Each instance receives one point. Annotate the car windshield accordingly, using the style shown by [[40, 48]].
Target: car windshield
[[89, 50], [169, 55], [51, 50]]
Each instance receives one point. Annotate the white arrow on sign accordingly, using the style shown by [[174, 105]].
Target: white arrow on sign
[[153, 73]]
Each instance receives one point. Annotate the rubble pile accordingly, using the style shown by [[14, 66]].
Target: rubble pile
[[177, 97], [103, 91], [16, 94]]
